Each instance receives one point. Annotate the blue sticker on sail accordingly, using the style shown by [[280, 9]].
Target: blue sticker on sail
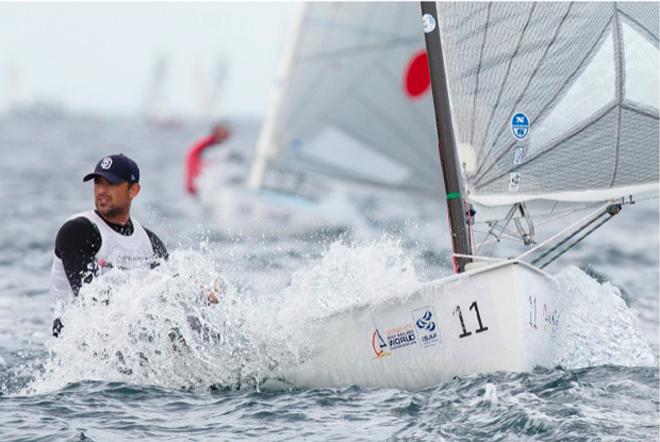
[[520, 125]]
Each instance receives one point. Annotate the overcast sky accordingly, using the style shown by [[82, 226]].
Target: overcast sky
[[102, 56]]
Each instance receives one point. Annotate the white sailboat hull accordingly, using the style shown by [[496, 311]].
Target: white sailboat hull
[[509, 316]]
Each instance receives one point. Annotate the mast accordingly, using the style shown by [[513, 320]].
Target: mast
[[460, 239]]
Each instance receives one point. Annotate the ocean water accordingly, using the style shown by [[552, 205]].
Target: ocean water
[[130, 369]]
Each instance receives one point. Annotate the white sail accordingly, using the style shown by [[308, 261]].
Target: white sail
[[354, 101], [556, 101], [584, 75]]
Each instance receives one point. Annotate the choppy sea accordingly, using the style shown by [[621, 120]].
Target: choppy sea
[[98, 384]]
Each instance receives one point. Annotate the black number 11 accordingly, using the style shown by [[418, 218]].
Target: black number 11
[[460, 318], [476, 310]]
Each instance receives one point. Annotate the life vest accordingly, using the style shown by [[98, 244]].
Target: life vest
[[116, 250]]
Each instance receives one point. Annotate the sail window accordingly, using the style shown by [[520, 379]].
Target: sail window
[[593, 90], [641, 61]]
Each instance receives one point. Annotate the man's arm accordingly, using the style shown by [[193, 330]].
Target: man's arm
[[77, 243], [157, 245]]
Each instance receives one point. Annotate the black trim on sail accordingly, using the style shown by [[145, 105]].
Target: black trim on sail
[[460, 238]]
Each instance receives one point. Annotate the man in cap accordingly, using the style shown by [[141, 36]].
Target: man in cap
[[107, 237]]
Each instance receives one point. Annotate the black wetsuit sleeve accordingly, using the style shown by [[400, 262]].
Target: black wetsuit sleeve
[[157, 245], [77, 243]]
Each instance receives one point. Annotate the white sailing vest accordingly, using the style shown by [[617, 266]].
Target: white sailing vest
[[116, 250]]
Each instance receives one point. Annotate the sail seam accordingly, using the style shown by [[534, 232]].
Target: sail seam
[[628, 105], [506, 75], [640, 26], [529, 82], [557, 143], [617, 35], [480, 174], [476, 86]]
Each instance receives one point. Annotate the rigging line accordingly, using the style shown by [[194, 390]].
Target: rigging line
[[476, 86], [552, 147], [537, 68], [501, 235], [569, 228], [643, 28], [552, 217], [494, 238], [567, 239], [620, 76], [506, 75], [580, 66], [576, 242]]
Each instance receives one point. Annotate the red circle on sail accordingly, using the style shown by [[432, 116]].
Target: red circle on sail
[[417, 77]]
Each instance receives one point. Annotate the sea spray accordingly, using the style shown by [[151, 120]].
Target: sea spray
[[346, 277], [596, 325], [146, 327], [158, 327]]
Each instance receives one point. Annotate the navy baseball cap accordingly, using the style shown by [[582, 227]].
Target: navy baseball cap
[[116, 169]]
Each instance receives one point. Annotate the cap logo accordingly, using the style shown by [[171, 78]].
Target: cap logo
[[106, 163]]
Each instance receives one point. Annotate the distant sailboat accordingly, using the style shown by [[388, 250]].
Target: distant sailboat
[[541, 109], [157, 108], [282, 202]]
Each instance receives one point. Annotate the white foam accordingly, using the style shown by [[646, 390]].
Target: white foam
[[596, 326], [159, 329], [135, 337]]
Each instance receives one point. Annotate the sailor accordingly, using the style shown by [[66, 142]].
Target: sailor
[[90, 242], [219, 133]]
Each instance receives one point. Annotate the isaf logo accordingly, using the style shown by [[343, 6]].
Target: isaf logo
[[426, 322], [427, 328], [106, 163]]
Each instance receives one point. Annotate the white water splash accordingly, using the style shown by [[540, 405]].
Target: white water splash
[[158, 328], [596, 325]]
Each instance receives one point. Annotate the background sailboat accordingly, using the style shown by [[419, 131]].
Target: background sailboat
[[554, 108]]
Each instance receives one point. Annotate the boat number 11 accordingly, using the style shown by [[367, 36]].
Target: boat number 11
[[460, 318]]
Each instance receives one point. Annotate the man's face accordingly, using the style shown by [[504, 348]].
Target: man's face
[[113, 199]]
